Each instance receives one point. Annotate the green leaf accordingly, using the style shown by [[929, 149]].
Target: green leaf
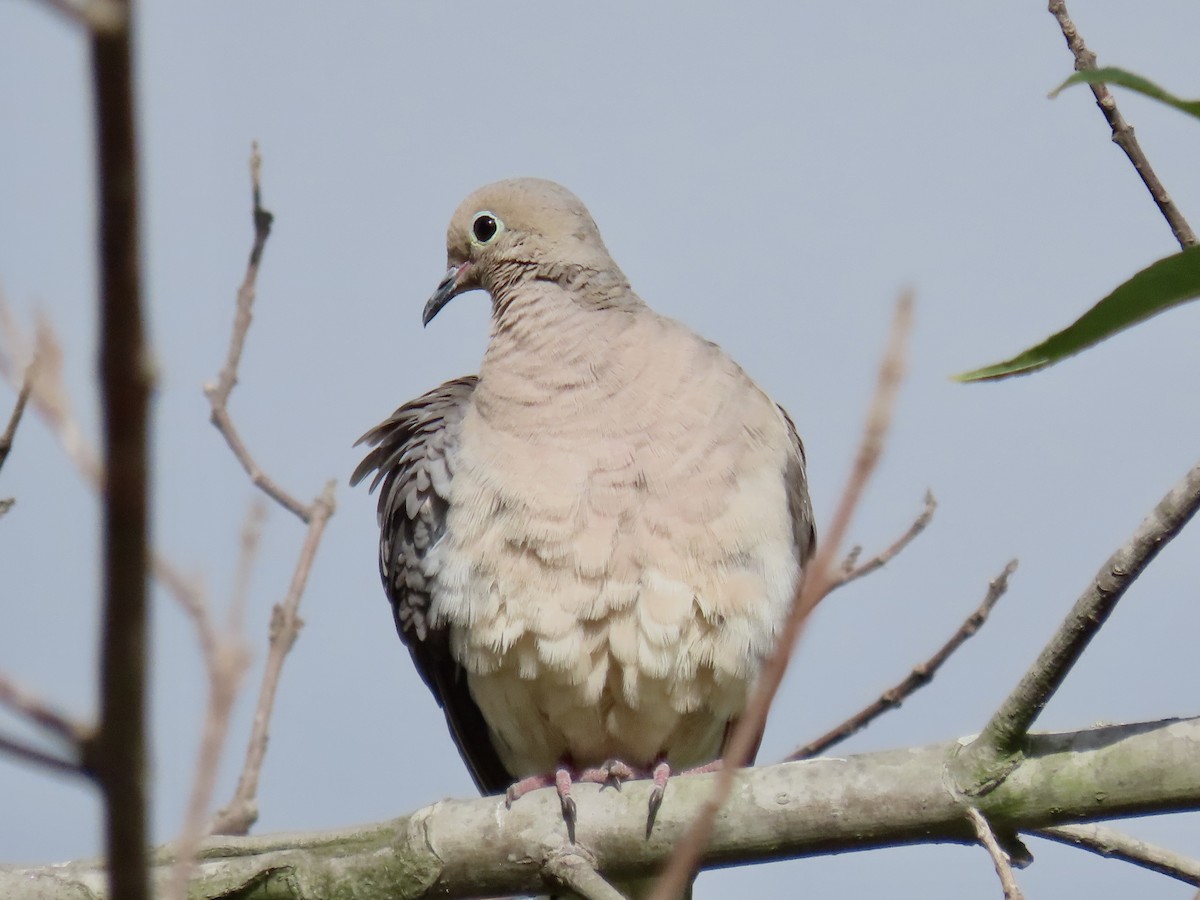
[[1134, 83], [1158, 287]]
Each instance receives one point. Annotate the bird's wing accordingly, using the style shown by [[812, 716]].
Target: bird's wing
[[412, 457], [795, 479]]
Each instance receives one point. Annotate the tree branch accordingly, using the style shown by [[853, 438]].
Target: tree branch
[[474, 848], [983, 831], [816, 582], [852, 570], [920, 676], [117, 754], [998, 748], [1122, 131], [1117, 845], [218, 391], [242, 810], [98, 16]]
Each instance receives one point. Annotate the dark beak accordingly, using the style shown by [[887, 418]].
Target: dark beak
[[449, 288]]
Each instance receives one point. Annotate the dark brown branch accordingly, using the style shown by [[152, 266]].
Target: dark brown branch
[[242, 810], [1117, 845], [10, 432], [1122, 131], [920, 676], [987, 838], [997, 749], [218, 391], [852, 570], [818, 580], [29, 753], [118, 752]]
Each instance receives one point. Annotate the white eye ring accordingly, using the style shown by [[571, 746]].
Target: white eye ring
[[485, 226]]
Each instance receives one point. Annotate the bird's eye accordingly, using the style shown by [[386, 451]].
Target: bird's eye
[[485, 227]]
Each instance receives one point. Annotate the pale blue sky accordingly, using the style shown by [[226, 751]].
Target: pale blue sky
[[771, 174]]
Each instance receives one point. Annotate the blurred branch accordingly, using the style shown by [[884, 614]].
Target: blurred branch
[[27, 705], [920, 676], [1118, 845], [476, 848], [817, 581], [997, 750], [242, 810], [226, 658], [99, 16], [1122, 131], [852, 570], [987, 838], [10, 431], [117, 751]]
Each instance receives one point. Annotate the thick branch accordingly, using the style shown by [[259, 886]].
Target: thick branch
[[997, 749], [472, 848], [1122, 131], [118, 753]]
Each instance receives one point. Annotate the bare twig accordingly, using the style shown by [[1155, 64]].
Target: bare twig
[[36, 710], [242, 810], [572, 871], [6, 439], [920, 676], [39, 757], [999, 858], [852, 569], [997, 749], [100, 16], [226, 658], [117, 754], [218, 391], [1122, 131], [1118, 845], [818, 580]]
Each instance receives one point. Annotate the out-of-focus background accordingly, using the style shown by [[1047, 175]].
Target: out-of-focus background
[[771, 174]]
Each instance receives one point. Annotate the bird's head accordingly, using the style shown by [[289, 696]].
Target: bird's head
[[518, 229]]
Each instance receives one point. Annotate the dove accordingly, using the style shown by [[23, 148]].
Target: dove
[[591, 546]]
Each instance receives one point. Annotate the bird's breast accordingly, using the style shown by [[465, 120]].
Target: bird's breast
[[617, 562]]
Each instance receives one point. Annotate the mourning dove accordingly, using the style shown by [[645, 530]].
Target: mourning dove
[[591, 546]]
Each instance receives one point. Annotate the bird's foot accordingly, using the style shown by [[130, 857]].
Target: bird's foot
[[612, 773], [661, 774]]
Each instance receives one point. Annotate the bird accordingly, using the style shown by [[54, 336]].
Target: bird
[[591, 546]]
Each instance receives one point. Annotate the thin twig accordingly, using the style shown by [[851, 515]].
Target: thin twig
[[1118, 845], [1122, 131], [34, 709], [852, 570], [10, 432], [226, 657], [920, 676], [1000, 859], [218, 391], [29, 753], [242, 811], [996, 751], [816, 583], [572, 871]]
